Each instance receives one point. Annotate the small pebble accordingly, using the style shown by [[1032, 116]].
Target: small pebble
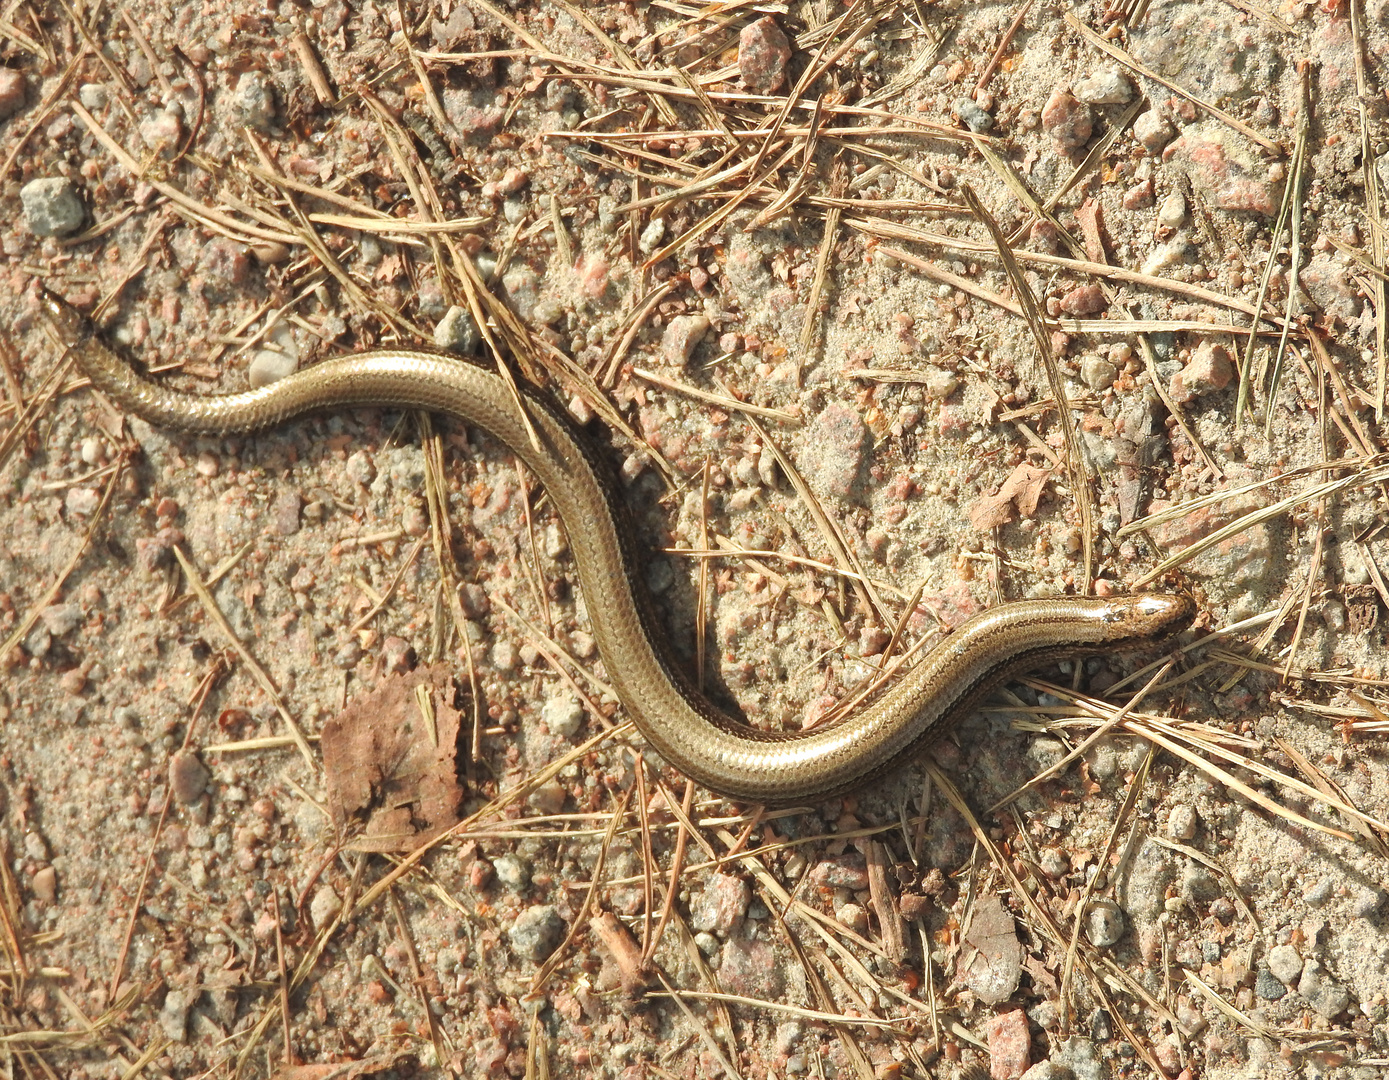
[[1285, 964], [1267, 986], [562, 715], [52, 206], [652, 235], [253, 101], [971, 115], [1321, 991], [1097, 372], [1173, 210], [12, 92], [270, 365], [1181, 822], [45, 884], [763, 52], [92, 95], [537, 932], [1153, 131], [324, 906], [173, 1017], [1104, 88], [513, 872], [59, 619], [681, 336], [719, 908], [1068, 121], [1104, 923], [188, 777], [457, 331]]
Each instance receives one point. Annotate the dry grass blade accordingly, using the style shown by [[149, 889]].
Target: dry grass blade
[[891, 230], [1076, 464], [1090, 740], [724, 401], [780, 1007], [1293, 199], [1242, 1019]]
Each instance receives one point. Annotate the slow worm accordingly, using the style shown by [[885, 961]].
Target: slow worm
[[710, 747]]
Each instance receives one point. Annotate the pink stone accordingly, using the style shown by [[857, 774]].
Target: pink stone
[[1084, 300], [763, 51], [1210, 369], [1139, 196], [681, 337], [1067, 120], [1224, 169], [1010, 1045]]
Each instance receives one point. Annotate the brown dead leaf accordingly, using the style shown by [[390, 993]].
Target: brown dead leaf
[[392, 771], [1022, 490]]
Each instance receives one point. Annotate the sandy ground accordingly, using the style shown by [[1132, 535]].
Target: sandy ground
[[308, 764]]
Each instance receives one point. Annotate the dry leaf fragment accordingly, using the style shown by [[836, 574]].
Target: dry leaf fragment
[[996, 969], [1022, 489], [391, 765]]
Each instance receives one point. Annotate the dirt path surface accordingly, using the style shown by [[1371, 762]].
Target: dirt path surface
[[308, 765]]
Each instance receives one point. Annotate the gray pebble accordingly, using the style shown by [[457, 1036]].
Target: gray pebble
[[1317, 893], [1079, 1055], [1267, 986], [1104, 924], [1285, 963], [1097, 372], [173, 1017], [52, 206], [270, 365], [1181, 822], [681, 336], [324, 906], [35, 847], [253, 100], [1366, 902], [522, 290], [1321, 991], [457, 331], [652, 235], [537, 932], [1153, 131], [1173, 210], [1047, 1070], [972, 115], [721, 904], [361, 468], [13, 91], [1104, 88], [513, 872], [707, 944]]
